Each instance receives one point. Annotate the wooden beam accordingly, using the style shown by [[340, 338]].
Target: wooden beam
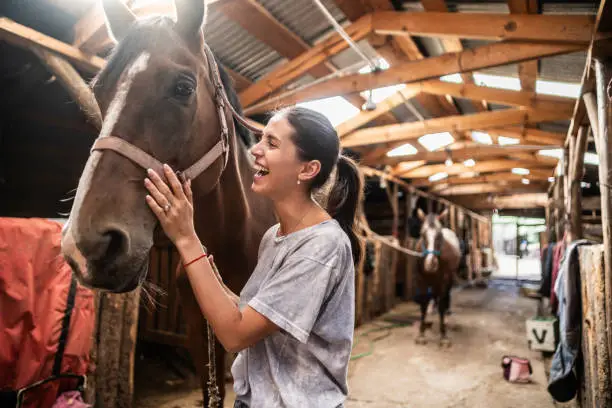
[[370, 172], [488, 178], [441, 88], [22, 36], [473, 151], [483, 120], [258, 21], [509, 202], [486, 56], [297, 67], [525, 134], [452, 44], [240, 81], [528, 71], [576, 169], [531, 135], [261, 24], [382, 107], [456, 169], [485, 26], [73, 83], [487, 188]]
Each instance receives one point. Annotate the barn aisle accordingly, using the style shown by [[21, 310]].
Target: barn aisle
[[485, 325]]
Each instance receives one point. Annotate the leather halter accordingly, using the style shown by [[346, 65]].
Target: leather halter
[[221, 148]]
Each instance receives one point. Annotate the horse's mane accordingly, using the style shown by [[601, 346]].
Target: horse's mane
[[144, 34]]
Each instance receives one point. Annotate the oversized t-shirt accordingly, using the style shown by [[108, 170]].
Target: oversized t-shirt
[[304, 282]]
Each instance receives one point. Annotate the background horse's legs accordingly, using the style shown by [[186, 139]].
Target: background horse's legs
[[423, 301], [443, 306]]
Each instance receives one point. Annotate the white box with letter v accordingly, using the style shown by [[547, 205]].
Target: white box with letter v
[[542, 333]]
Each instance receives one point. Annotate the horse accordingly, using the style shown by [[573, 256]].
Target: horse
[[436, 269], [159, 95]]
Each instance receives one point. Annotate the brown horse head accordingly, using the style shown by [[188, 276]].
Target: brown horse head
[[156, 93], [431, 239]]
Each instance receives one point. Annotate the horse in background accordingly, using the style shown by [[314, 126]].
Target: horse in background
[[436, 269], [158, 93]]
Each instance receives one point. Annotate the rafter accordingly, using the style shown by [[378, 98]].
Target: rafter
[[468, 91], [297, 67], [484, 26], [453, 44], [528, 71], [486, 56], [23, 36], [514, 201], [396, 51], [473, 151], [483, 120], [489, 178], [484, 188], [532, 135], [456, 169]]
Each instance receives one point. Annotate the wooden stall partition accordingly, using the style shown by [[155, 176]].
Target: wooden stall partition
[[161, 315], [595, 380], [111, 383]]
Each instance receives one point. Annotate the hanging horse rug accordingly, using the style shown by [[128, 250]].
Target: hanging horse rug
[[46, 317]]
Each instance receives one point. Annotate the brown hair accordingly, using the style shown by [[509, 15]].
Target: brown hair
[[316, 139]]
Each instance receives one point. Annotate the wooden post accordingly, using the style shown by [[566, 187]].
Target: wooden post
[[576, 168], [604, 114], [408, 284], [453, 218], [115, 345], [590, 102], [74, 84]]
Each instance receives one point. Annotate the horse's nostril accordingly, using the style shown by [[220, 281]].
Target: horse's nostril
[[116, 244]]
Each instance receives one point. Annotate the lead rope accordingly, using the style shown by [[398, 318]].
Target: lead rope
[[214, 397]]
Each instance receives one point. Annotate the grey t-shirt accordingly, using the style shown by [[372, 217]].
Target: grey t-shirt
[[304, 282]]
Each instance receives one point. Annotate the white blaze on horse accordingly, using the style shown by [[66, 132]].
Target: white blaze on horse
[[437, 269], [162, 99]]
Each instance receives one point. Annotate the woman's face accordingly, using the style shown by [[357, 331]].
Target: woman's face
[[276, 160]]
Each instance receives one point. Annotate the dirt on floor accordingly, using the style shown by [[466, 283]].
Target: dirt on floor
[[391, 371]]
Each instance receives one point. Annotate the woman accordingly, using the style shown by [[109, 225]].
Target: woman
[[293, 325]]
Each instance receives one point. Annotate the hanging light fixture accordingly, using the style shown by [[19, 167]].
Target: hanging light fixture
[[449, 160]]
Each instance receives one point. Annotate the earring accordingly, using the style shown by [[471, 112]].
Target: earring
[[298, 181]]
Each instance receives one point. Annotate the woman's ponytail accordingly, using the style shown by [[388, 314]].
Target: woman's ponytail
[[344, 201]]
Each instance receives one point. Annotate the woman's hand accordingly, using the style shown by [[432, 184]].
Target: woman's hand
[[173, 205]]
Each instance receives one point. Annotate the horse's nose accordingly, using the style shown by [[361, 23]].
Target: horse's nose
[[105, 247]]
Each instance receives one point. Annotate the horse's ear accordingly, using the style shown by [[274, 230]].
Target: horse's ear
[[118, 18], [421, 214], [443, 214], [190, 18]]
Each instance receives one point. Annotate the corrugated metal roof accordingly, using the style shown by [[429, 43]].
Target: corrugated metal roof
[[238, 49], [303, 17]]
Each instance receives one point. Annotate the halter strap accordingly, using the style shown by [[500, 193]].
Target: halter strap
[[425, 251], [220, 149], [146, 161]]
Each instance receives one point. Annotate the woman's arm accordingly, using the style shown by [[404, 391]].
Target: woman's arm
[[173, 206], [234, 328]]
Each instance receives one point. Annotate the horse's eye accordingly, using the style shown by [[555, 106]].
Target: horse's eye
[[184, 88]]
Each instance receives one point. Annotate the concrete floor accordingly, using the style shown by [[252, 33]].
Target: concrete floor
[[485, 325]]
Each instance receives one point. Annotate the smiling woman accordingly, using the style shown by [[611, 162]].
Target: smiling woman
[[296, 312]]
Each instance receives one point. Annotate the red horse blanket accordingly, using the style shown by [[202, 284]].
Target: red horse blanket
[[34, 285]]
